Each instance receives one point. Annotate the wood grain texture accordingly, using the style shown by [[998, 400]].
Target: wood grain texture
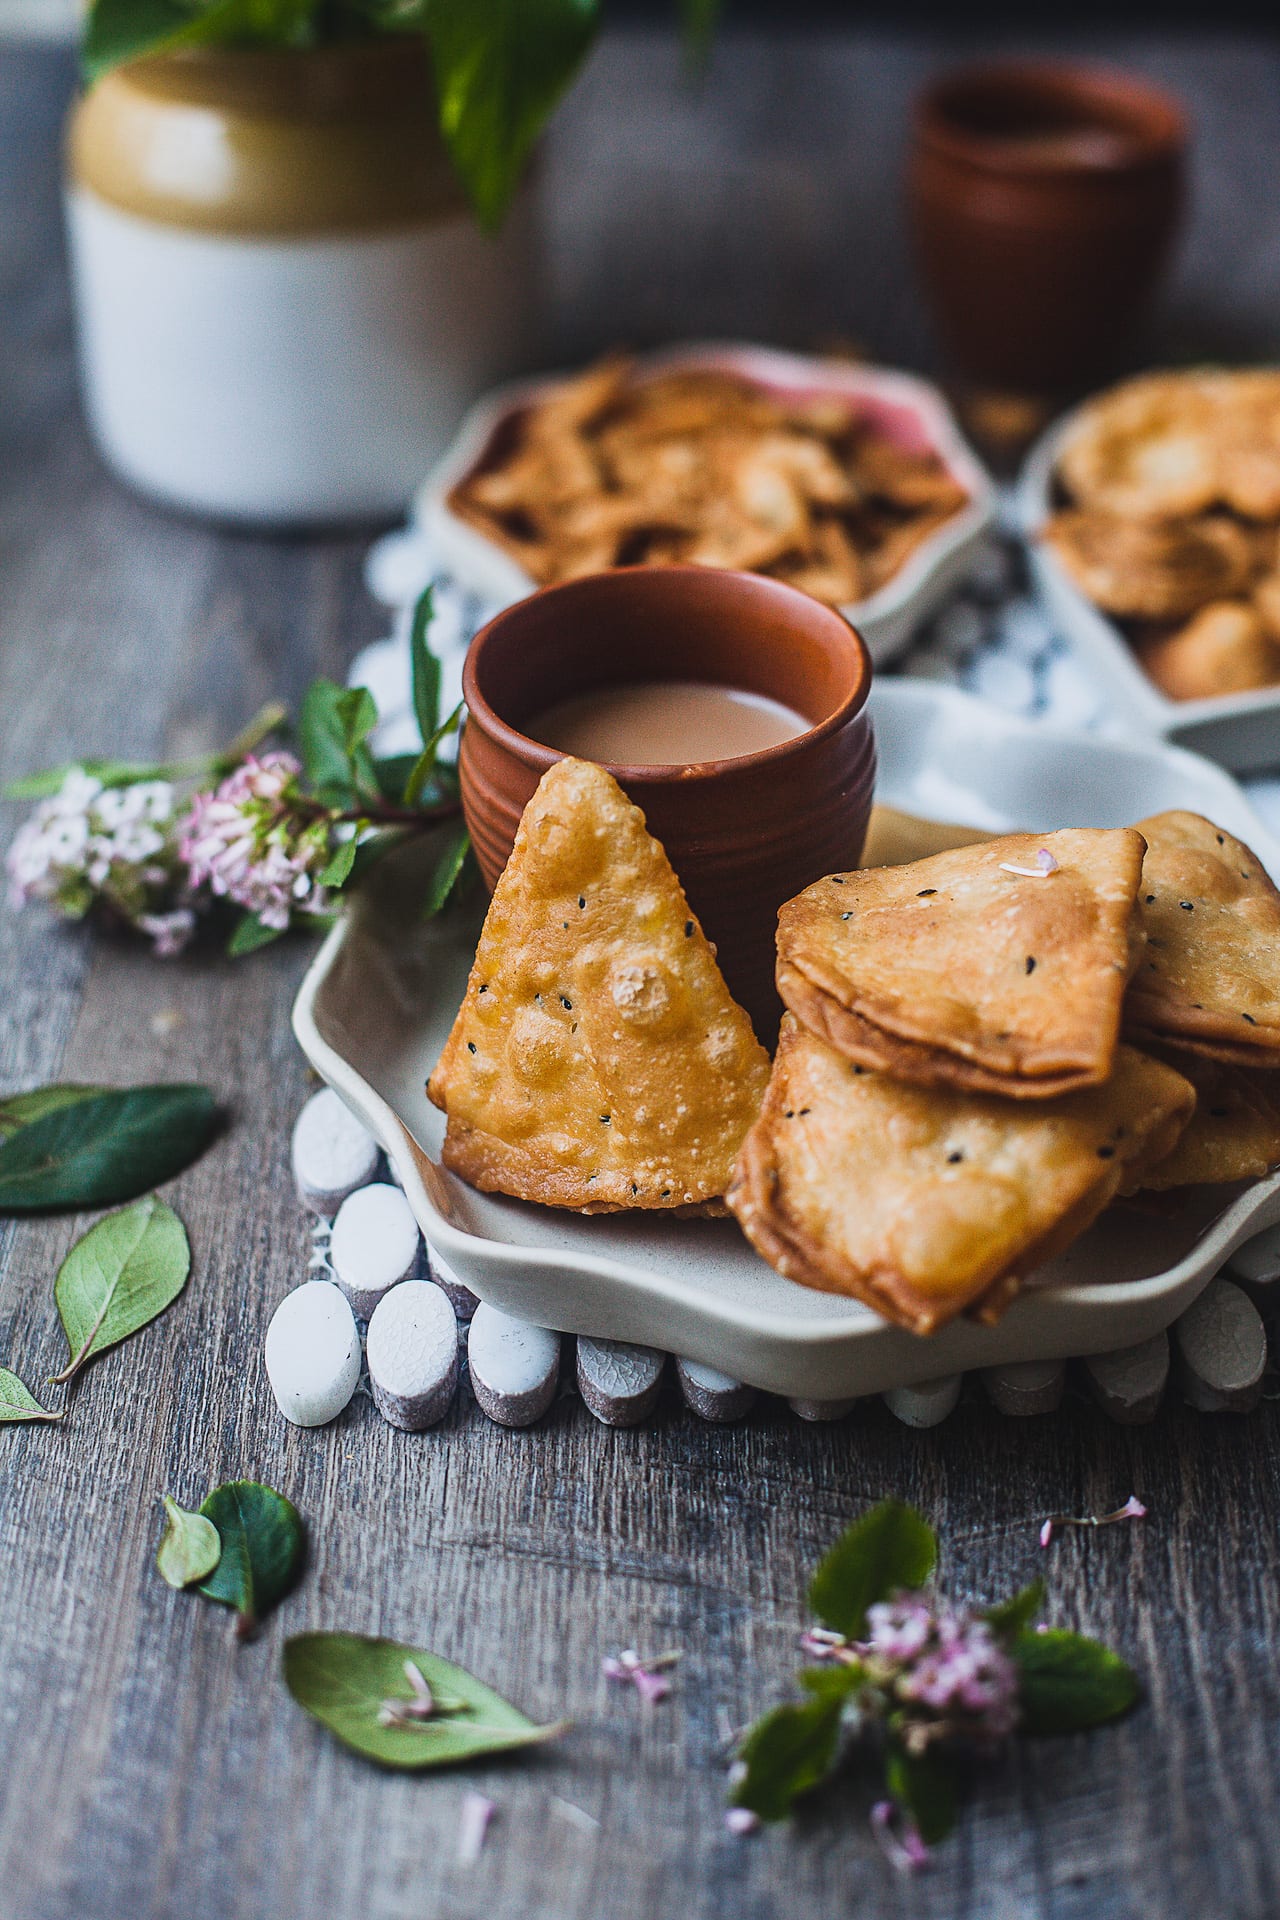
[[151, 1767]]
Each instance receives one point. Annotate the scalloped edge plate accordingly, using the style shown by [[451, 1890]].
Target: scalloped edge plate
[[378, 1001], [886, 620]]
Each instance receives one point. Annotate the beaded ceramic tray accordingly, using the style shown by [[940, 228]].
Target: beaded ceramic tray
[[378, 1001]]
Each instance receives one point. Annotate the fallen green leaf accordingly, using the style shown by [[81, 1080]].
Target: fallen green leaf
[[104, 1148], [1067, 1683], [119, 1277], [18, 1403], [191, 1547], [924, 1786], [20, 1109], [263, 1546], [788, 1753], [343, 1680], [891, 1546]]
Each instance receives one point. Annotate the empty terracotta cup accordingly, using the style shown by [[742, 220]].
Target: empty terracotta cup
[[1044, 201], [743, 834]]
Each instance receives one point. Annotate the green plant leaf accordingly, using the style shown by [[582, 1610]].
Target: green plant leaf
[[105, 1148], [117, 30], [425, 668], [426, 764], [500, 69], [263, 1546], [338, 871], [698, 22], [446, 872], [1067, 1683], [18, 1403], [333, 730], [191, 1547], [1014, 1615], [112, 773], [892, 1546], [392, 774], [250, 934], [834, 1682], [786, 1754], [20, 1109], [924, 1786], [342, 1680], [118, 1277]]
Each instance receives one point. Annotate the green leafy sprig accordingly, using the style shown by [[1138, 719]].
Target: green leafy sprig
[[244, 1548], [916, 1684]]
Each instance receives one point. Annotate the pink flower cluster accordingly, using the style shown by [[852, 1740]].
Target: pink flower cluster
[[247, 842], [950, 1664]]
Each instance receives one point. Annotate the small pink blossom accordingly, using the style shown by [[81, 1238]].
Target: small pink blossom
[[741, 1820], [1132, 1509], [473, 1825], [1044, 866], [169, 932], [647, 1676], [905, 1851], [249, 842]]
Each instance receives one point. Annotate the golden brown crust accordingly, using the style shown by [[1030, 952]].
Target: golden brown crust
[[927, 1203], [1234, 1133], [598, 1061], [1151, 569], [1225, 648], [1210, 977], [953, 971]]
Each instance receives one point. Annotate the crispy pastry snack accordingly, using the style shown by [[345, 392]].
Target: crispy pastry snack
[[597, 1061], [926, 1203], [1234, 1133], [1209, 979], [955, 972]]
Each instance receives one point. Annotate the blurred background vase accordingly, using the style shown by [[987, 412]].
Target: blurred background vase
[[1045, 199], [283, 300]]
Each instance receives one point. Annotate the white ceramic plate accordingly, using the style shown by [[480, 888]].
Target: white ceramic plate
[[1242, 730], [378, 1001], [886, 620]]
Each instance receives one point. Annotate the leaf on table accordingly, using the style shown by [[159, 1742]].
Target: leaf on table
[[17, 1402], [20, 1109], [424, 666], [1014, 1615], [191, 1548], [446, 872], [1068, 1683], [119, 1277], [500, 69], [788, 1753], [924, 1786], [890, 1547], [263, 1547], [333, 733], [104, 1148], [249, 934], [345, 1680]]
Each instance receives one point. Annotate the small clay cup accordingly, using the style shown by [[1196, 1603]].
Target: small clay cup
[[743, 835], [1044, 200]]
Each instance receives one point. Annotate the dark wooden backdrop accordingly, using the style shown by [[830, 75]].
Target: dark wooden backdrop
[[148, 1766]]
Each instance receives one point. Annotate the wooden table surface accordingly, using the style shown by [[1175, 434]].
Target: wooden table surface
[[151, 1767]]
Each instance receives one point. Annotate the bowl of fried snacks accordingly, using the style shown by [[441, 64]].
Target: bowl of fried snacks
[[1024, 1103], [850, 482], [1153, 513]]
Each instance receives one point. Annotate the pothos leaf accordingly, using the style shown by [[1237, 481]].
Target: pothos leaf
[[446, 872], [20, 1109], [424, 667], [924, 1786], [1067, 1683], [500, 69], [891, 1546], [250, 934], [344, 1679], [263, 1546], [1014, 1615], [17, 1402], [119, 30], [191, 1547], [104, 1148], [123, 1273], [788, 1753]]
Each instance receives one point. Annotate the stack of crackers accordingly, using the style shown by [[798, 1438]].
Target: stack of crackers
[[1171, 523], [704, 467], [984, 1048], [981, 1049]]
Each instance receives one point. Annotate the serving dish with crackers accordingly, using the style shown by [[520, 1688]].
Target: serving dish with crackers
[[922, 1178], [852, 482], [1153, 519]]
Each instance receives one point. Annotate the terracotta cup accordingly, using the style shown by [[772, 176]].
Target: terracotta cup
[[1044, 200], [743, 834]]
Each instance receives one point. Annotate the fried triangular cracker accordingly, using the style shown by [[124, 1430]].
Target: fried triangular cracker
[[598, 1061], [1210, 977], [1234, 1133], [956, 972], [926, 1203]]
